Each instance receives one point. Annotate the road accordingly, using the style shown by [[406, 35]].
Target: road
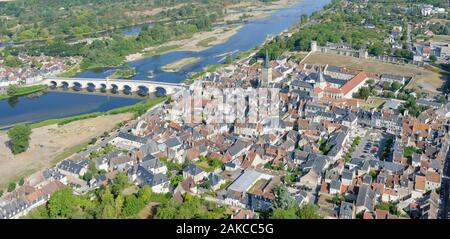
[[445, 188]]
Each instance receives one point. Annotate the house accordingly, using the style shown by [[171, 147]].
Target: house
[[432, 180], [365, 199], [76, 169], [301, 197], [192, 170], [247, 179], [186, 186], [128, 141], [121, 163], [416, 159], [335, 187], [347, 210], [244, 214], [154, 165], [236, 199], [174, 149], [159, 182], [237, 149], [216, 181], [347, 177], [231, 166]]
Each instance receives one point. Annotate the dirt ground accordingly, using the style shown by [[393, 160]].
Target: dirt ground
[[50, 141], [423, 79]]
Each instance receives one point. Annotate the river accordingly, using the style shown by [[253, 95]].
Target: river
[[59, 104]]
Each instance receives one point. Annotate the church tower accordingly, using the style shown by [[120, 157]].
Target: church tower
[[321, 79], [266, 71]]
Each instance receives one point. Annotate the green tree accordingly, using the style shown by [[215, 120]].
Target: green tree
[[132, 206], [21, 181], [11, 186], [12, 61], [280, 213], [175, 180], [283, 198], [396, 86], [363, 92], [19, 138], [145, 194], [433, 58], [309, 211], [119, 183], [62, 204], [12, 90]]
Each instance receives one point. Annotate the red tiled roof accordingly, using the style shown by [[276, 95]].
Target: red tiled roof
[[358, 79]]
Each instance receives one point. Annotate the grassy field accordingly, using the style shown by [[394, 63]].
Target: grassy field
[[206, 42], [423, 79], [26, 90], [444, 38], [69, 151], [372, 103]]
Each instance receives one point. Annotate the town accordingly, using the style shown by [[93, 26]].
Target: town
[[324, 149], [264, 136]]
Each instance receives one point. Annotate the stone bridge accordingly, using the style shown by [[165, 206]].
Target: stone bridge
[[113, 84]]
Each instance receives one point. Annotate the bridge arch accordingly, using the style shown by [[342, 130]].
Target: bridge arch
[[114, 88], [53, 84], [103, 87], [160, 91], [143, 90], [91, 86], [127, 89], [65, 85]]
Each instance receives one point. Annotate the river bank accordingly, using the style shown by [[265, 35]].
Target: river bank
[[56, 139], [48, 142], [194, 44], [25, 90]]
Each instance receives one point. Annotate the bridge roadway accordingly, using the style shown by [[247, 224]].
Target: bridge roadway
[[116, 84]]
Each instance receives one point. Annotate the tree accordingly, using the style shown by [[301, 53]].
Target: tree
[[363, 92], [280, 213], [19, 138], [175, 180], [119, 183], [12, 90], [11, 186], [145, 194], [309, 211], [396, 86], [442, 99], [132, 206], [62, 204], [433, 58], [283, 198], [12, 61], [21, 181], [386, 85]]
